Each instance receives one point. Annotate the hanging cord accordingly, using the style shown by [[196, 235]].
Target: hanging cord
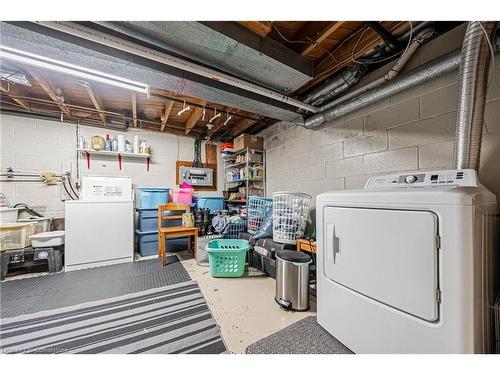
[[492, 54], [66, 190], [30, 209], [71, 187], [197, 153]]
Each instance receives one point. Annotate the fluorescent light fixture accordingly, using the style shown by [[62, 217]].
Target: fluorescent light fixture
[[70, 69], [184, 109]]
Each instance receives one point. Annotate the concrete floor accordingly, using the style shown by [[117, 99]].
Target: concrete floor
[[244, 308]]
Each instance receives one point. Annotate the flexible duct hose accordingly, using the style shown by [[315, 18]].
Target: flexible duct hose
[[474, 65]]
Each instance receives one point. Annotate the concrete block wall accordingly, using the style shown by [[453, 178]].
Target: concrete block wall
[[413, 130], [35, 145]]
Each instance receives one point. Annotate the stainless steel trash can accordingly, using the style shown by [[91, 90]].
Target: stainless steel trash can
[[292, 280]]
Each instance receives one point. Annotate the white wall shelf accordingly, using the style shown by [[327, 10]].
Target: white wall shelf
[[87, 152]]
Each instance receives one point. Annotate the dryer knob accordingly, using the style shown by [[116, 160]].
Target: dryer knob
[[410, 179]]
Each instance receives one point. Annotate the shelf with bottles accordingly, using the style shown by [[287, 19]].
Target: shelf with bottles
[[241, 152], [250, 173], [118, 147]]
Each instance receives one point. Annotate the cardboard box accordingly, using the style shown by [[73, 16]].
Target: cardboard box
[[250, 141]]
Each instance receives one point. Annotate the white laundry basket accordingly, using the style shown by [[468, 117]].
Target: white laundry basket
[[290, 211]]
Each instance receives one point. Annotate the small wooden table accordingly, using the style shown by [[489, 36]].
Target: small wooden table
[[306, 246]]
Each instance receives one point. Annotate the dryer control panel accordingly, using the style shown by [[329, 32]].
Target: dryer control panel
[[462, 177]]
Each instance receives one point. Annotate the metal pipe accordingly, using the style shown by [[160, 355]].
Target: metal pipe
[[138, 50], [472, 86], [389, 38], [435, 68], [346, 79], [393, 73], [338, 84]]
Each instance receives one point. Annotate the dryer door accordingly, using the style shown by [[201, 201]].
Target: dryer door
[[389, 256]]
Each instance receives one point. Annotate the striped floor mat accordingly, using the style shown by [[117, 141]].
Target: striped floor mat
[[171, 319]]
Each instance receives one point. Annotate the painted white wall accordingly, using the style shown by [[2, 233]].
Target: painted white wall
[[36, 145]]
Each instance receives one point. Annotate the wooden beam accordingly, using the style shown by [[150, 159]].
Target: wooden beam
[[322, 35], [49, 91], [241, 126], [11, 92], [134, 109], [165, 113], [219, 123], [194, 118], [261, 28], [96, 102]]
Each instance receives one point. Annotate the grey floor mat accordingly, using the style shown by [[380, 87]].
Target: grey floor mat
[[303, 337], [24, 296]]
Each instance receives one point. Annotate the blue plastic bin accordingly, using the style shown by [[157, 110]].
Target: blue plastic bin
[[152, 197], [148, 220], [148, 243], [212, 203]]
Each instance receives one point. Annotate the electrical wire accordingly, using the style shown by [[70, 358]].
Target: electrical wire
[[66, 189], [492, 53], [71, 187], [326, 72], [309, 42], [410, 39], [28, 208]]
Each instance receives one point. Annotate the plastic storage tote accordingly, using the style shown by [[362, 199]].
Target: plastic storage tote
[[148, 243], [212, 203], [182, 195], [256, 210], [152, 197], [15, 236], [290, 211], [148, 219], [227, 257]]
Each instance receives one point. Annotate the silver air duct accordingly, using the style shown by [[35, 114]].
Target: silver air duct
[[426, 72], [352, 74], [431, 70], [337, 85], [474, 64]]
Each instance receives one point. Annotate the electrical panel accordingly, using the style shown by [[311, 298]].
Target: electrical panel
[[196, 176]]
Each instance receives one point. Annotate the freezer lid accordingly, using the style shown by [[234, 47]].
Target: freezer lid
[[388, 256]]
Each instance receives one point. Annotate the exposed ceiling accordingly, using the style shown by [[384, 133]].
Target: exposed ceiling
[[289, 57]]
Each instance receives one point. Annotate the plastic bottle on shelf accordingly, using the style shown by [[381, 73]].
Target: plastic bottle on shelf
[[121, 143], [114, 144], [108, 146], [136, 144]]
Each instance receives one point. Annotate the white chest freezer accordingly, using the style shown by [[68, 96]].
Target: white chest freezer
[[98, 233]]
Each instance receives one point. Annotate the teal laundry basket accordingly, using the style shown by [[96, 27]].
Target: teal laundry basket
[[227, 257]]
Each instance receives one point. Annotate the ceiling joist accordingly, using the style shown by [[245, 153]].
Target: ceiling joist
[[96, 102], [322, 35], [193, 119], [261, 28], [241, 126], [165, 113], [11, 92], [49, 91]]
